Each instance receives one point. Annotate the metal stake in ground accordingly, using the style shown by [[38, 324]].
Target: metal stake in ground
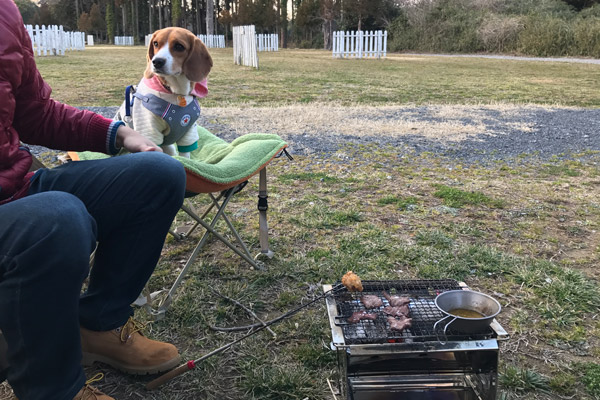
[[183, 368]]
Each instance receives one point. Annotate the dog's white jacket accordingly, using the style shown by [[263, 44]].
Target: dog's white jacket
[[154, 126]]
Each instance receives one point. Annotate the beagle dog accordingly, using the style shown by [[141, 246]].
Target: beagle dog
[[165, 106]]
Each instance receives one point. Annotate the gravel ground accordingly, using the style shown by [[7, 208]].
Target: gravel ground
[[466, 134]]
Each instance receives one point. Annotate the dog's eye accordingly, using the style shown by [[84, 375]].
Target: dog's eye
[[178, 47], [155, 44]]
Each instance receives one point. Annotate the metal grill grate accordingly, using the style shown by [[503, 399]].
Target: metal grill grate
[[423, 312]]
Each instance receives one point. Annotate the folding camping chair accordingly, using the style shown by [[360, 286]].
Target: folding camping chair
[[220, 170]]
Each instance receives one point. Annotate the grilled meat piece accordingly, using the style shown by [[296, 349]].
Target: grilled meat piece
[[396, 301], [399, 324], [397, 311], [352, 282], [371, 301], [359, 315]]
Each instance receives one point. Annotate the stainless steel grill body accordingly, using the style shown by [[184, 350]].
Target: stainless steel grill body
[[418, 363]]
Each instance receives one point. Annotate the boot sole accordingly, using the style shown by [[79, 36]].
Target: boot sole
[[89, 358]]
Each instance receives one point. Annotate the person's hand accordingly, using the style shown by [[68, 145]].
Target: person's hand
[[133, 141]]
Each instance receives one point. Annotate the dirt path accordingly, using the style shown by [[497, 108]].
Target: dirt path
[[469, 134]]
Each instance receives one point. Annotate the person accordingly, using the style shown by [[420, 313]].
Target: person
[[51, 220]]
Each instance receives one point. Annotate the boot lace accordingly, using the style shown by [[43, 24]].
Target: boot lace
[[90, 392], [131, 326]]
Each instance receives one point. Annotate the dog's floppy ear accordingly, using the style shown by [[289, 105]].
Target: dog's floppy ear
[[148, 74], [198, 63]]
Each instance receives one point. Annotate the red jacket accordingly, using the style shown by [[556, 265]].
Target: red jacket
[[28, 114]]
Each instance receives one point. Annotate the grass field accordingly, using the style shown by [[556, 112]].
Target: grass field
[[526, 233], [98, 77]]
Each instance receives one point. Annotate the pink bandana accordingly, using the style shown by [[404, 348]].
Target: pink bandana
[[200, 88]]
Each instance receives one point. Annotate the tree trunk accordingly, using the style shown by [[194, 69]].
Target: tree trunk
[[328, 34], [76, 11], [137, 19], [124, 12], [278, 19], [284, 24], [293, 26], [150, 15], [160, 15], [210, 27], [133, 21], [198, 23]]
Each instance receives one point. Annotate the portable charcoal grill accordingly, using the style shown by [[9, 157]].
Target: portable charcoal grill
[[376, 363]]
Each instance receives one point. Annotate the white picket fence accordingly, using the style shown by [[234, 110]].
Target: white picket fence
[[267, 42], [209, 40], [359, 44], [213, 41], [124, 40], [244, 46], [53, 40]]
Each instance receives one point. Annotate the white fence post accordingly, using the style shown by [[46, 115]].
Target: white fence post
[[384, 44], [244, 46]]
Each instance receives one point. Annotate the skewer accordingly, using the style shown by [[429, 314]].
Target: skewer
[[188, 366]]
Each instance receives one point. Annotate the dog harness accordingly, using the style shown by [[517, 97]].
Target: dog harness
[[179, 118]]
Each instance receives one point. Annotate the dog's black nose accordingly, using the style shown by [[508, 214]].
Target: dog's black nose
[[158, 62]]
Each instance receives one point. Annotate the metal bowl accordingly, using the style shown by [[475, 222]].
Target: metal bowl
[[467, 300]]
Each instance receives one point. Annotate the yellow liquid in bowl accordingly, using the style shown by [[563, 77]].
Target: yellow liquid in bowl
[[465, 313]]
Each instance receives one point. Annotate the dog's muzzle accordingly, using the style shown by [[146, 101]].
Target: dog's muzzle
[[158, 63]]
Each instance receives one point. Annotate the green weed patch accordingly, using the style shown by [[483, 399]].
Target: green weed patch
[[454, 197]]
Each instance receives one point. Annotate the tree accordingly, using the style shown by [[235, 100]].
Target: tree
[[359, 9], [110, 21], [98, 26], [176, 12], [308, 17], [84, 24], [284, 23], [244, 13], [210, 16], [28, 10], [226, 20], [64, 14], [45, 15], [329, 13]]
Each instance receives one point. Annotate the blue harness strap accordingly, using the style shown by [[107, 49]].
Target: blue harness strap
[[128, 100]]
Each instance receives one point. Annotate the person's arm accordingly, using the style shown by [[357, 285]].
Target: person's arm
[[43, 121]]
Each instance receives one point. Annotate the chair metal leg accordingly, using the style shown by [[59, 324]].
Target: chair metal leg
[[245, 254]]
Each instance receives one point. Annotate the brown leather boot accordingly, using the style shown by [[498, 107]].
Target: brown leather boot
[[128, 350]]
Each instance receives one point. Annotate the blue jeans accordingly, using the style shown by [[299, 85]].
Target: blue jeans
[[124, 203]]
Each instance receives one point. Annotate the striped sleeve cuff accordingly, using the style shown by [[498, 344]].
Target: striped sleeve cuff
[[111, 138]]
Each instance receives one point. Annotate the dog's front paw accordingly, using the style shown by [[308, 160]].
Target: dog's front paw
[[186, 154]]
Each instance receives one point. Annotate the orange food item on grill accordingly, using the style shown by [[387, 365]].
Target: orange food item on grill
[[352, 282]]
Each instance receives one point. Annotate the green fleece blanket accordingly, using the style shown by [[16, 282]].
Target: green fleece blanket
[[221, 162]]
